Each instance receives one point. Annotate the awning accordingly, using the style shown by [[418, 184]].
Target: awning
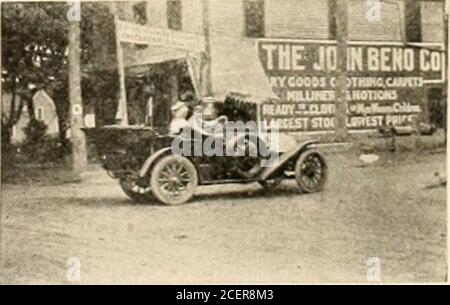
[[139, 61], [235, 68], [237, 71], [152, 55]]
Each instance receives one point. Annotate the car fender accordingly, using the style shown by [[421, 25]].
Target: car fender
[[286, 157], [151, 160]]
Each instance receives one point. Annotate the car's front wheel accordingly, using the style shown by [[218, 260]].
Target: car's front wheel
[[174, 180], [311, 171]]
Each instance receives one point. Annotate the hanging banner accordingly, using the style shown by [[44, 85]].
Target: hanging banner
[[140, 34], [386, 83]]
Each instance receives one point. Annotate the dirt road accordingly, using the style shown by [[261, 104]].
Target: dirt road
[[234, 234]]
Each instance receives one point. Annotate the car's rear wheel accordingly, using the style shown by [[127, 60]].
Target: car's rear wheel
[[311, 171], [134, 191], [174, 180]]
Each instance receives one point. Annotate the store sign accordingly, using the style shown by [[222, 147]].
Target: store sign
[[140, 34], [386, 83]]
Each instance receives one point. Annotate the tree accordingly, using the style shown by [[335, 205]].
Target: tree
[[33, 54], [34, 57], [35, 49]]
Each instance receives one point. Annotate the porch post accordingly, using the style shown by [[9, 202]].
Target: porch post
[[206, 83], [122, 111]]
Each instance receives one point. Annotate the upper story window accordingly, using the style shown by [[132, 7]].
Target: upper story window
[[174, 15], [120, 10], [254, 13], [413, 21], [140, 12]]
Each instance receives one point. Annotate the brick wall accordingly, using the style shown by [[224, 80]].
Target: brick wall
[[227, 18], [305, 19], [297, 18], [389, 28]]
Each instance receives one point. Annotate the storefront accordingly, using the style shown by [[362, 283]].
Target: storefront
[[158, 67], [395, 57]]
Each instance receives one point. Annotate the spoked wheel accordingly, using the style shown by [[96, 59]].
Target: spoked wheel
[[270, 185], [174, 180], [134, 191], [311, 171]]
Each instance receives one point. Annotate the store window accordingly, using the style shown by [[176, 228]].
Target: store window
[[174, 15], [254, 18], [140, 17]]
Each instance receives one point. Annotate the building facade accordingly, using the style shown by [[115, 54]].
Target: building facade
[[369, 20], [402, 27]]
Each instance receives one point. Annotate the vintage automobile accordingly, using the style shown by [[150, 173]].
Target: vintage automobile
[[143, 161]]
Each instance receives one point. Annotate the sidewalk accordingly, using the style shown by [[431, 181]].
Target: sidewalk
[[371, 143]]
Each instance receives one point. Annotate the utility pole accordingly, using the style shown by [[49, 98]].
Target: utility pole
[[206, 83], [122, 111], [341, 83], [76, 106]]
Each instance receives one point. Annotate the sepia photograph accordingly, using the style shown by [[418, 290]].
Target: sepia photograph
[[224, 142]]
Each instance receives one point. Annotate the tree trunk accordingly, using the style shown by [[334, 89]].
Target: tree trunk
[[60, 95], [62, 131], [6, 135], [7, 153], [14, 116], [30, 106]]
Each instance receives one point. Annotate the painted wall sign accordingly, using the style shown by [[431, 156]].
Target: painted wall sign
[[386, 83]]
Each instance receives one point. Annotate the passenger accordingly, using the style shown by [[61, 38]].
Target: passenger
[[179, 118]]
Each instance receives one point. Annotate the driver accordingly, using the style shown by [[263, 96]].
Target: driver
[[206, 117]]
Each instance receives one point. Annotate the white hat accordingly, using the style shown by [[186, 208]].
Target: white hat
[[209, 99]]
